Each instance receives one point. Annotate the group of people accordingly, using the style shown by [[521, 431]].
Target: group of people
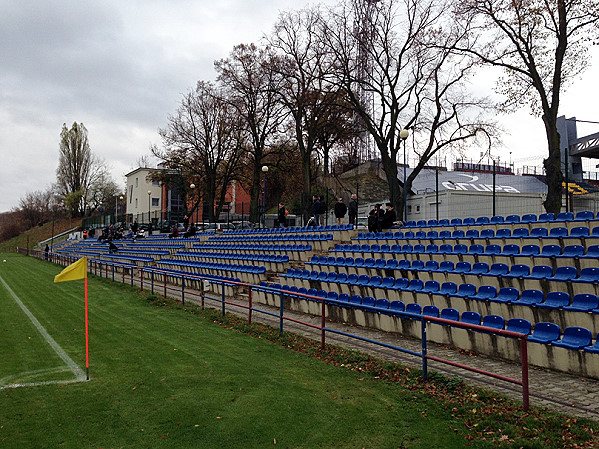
[[319, 209], [379, 218]]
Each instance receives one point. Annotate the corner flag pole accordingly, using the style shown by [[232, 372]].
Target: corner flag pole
[[86, 334]]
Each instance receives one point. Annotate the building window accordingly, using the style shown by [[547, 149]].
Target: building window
[[155, 183], [136, 203], [155, 202], [136, 182], [417, 208]]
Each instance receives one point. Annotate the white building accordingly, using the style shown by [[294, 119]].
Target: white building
[[143, 195]]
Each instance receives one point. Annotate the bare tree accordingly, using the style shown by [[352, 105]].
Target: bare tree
[[252, 90], [204, 142], [413, 82], [541, 45], [79, 172]]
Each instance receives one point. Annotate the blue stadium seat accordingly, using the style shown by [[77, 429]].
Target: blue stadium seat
[[563, 274], [498, 269], [485, 292], [583, 302], [588, 275], [415, 285], [397, 306], [382, 303], [472, 233], [528, 218], [355, 299], [520, 233], [503, 233], [545, 333], [579, 232], [482, 220], [431, 265], [593, 349], [431, 287], [462, 267], [448, 288], [459, 234], [546, 217], [333, 296], [465, 291], [573, 251], [450, 313], [574, 338], [479, 268], [414, 308], [388, 283], [401, 283], [344, 297], [541, 272], [456, 222], [368, 301], [585, 215], [487, 234], [518, 271], [512, 219], [506, 295], [519, 325], [446, 266], [565, 216], [430, 310], [530, 297], [558, 232], [539, 233], [555, 300], [445, 234], [494, 321], [471, 317]]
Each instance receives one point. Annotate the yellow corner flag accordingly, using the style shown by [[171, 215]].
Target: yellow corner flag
[[77, 270]]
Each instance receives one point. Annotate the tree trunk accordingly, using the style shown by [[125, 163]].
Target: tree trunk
[[255, 195], [396, 192], [307, 191], [553, 171]]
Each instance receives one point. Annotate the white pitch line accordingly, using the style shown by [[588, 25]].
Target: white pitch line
[[71, 365]]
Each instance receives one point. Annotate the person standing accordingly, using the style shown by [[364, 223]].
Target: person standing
[[353, 209], [282, 215], [340, 211], [374, 218], [316, 210], [186, 222]]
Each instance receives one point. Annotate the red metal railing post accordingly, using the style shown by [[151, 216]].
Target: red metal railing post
[[322, 325], [524, 357], [250, 303]]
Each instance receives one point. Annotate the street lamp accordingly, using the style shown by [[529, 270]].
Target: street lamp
[[192, 186], [403, 135], [116, 207], [265, 171], [149, 213]]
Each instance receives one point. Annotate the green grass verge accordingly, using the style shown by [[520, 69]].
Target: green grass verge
[[164, 375]]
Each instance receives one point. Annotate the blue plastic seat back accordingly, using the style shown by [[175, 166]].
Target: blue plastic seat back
[[510, 249], [448, 288], [388, 282], [585, 215], [445, 234], [401, 283], [460, 234], [456, 222], [342, 278], [564, 274], [580, 231], [593, 252], [497, 219], [363, 279], [414, 308], [531, 297], [575, 338], [420, 235], [503, 233], [431, 286], [499, 269], [450, 314], [519, 325], [551, 251], [486, 292], [528, 218], [417, 265], [465, 290], [487, 234], [556, 300], [352, 278], [332, 295], [482, 220], [430, 310], [431, 249], [472, 234], [530, 250], [375, 281], [476, 249], [445, 248], [539, 233], [460, 249], [446, 266], [398, 306], [355, 299], [470, 317], [519, 271], [546, 217], [392, 264], [432, 235], [494, 321], [520, 233], [573, 251], [368, 301], [480, 268], [382, 303], [589, 274], [565, 216], [545, 332], [541, 272], [431, 265], [584, 302], [558, 232], [463, 267], [508, 294], [344, 297], [512, 219], [415, 285], [332, 277]]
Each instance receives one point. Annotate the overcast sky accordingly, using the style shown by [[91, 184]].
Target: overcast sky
[[121, 67]]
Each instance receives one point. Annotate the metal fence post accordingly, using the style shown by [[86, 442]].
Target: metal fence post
[[281, 312], [152, 281], [223, 298], [250, 302], [424, 359], [182, 290], [322, 325]]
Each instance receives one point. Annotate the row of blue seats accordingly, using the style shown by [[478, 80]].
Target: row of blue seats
[[292, 229], [575, 338], [182, 273], [215, 266], [579, 232], [278, 258], [133, 258], [509, 250], [510, 219], [519, 271], [149, 252], [254, 247], [553, 300], [273, 238]]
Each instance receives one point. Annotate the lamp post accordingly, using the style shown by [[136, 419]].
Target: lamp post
[[265, 171], [192, 186], [116, 207], [149, 213], [403, 135]]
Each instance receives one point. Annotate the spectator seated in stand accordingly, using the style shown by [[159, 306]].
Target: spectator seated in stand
[[389, 217], [174, 233], [190, 232]]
